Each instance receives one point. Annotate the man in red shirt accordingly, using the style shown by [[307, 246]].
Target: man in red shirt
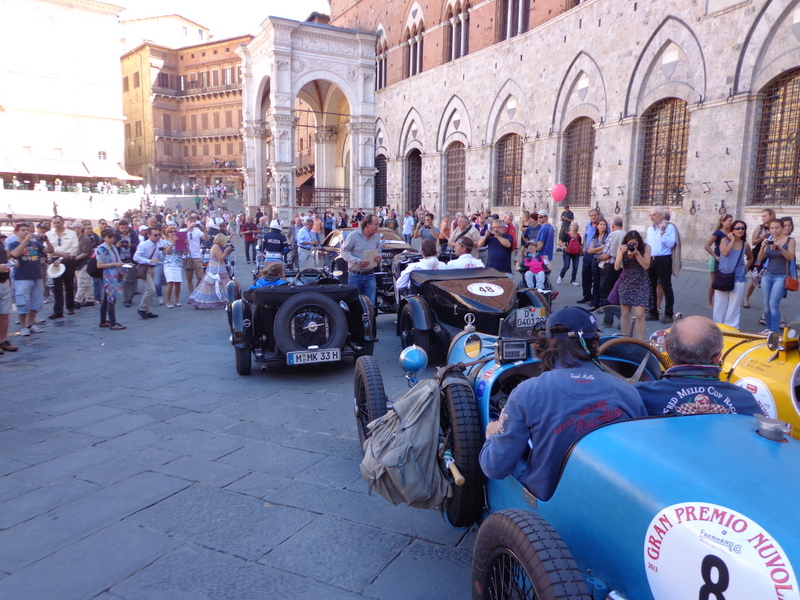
[[249, 231]]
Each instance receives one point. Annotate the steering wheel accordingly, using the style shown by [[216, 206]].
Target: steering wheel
[[637, 376], [308, 277]]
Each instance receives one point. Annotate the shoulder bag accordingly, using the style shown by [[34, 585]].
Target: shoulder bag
[[141, 269], [725, 282]]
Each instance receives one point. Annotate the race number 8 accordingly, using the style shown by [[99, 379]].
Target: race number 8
[[713, 588]]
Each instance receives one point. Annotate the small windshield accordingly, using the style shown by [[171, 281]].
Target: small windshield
[[522, 322]]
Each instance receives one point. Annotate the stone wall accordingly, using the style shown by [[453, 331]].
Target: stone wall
[[716, 56]]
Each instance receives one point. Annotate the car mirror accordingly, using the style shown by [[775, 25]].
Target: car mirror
[[773, 341]]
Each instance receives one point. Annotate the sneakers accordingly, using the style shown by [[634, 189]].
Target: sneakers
[[161, 300], [766, 332], [558, 281], [575, 284], [36, 329], [7, 347], [24, 331], [147, 315]]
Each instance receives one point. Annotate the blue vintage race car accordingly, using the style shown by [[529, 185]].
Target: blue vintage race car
[[662, 508]]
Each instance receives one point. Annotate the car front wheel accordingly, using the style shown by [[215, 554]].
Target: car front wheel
[[242, 356], [370, 396], [519, 556]]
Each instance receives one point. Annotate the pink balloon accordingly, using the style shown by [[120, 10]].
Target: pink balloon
[[559, 192]]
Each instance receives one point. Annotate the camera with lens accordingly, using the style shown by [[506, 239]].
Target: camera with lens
[[631, 247]]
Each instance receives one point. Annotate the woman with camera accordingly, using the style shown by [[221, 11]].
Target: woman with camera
[[211, 291], [776, 253], [633, 257]]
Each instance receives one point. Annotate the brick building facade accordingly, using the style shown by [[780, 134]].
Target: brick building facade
[[489, 104], [184, 112]]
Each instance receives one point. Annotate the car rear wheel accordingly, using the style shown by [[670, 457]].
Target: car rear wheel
[[519, 556], [307, 320], [243, 364], [370, 396], [462, 430], [410, 335]]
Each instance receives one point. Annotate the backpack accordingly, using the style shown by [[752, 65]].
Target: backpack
[[401, 454], [92, 269], [574, 246]]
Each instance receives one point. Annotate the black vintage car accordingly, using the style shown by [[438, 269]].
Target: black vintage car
[[313, 319], [395, 255], [439, 302]]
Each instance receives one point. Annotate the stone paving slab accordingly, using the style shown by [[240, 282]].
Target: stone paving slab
[[90, 566]]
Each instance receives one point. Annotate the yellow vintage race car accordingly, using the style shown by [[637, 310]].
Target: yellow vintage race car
[[767, 366]]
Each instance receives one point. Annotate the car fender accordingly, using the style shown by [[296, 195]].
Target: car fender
[[241, 323], [420, 313], [367, 318], [234, 291]]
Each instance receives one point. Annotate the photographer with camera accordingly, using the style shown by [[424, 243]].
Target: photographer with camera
[[633, 258], [126, 240], [776, 254], [501, 246], [425, 229]]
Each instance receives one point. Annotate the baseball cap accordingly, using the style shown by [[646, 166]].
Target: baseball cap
[[543, 213], [578, 321]]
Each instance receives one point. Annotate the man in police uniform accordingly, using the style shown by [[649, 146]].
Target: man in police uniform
[[274, 244]]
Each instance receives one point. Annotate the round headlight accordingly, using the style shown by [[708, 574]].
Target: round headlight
[[472, 346], [413, 359]]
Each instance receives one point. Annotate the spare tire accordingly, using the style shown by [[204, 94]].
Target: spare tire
[[310, 319]]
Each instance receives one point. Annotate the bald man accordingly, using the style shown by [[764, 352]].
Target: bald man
[[692, 386]]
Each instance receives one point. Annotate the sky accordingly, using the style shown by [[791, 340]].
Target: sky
[[224, 18]]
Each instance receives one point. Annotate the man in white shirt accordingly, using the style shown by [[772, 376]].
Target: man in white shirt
[[429, 262], [464, 258], [65, 244], [661, 237], [149, 253], [193, 262]]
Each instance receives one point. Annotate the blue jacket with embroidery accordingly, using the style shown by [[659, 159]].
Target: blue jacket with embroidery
[[547, 414], [696, 389]]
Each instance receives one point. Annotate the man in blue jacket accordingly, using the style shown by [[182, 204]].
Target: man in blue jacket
[[545, 415], [692, 386]]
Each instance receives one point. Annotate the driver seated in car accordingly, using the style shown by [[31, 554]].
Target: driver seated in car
[[271, 275], [692, 386], [428, 262], [464, 258], [545, 415]]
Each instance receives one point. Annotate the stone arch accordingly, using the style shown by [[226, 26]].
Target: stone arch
[[415, 20], [411, 138], [771, 47], [571, 103], [499, 124], [454, 125], [382, 143], [685, 80], [347, 83]]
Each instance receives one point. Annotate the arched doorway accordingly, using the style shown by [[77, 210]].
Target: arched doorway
[[413, 179]]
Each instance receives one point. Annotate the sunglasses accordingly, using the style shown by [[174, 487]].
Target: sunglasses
[[738, 228]]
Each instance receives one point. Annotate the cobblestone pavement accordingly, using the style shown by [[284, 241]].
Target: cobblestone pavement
[[136, 464]]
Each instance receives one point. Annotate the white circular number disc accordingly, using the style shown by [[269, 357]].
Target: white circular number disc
[[707, 551], [763, 396], [485, 289]]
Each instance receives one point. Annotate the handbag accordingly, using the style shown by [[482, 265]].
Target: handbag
[[613, 295], [725, 282], [140, 270], [790, 284]]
